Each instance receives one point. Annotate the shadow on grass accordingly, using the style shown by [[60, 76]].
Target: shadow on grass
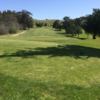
[[82, 38], [70, 36], [12, 88], [67, 50]]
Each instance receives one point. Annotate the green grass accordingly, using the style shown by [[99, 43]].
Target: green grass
[[43, 64]]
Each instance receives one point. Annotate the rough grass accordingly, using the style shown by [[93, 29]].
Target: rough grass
[[43, 64]]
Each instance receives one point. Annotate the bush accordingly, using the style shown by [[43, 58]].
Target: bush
[[12, 30], [3, 29], [13, 27]]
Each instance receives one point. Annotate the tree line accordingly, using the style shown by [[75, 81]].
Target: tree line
[[43, 23], [12, 21], [90, 24]]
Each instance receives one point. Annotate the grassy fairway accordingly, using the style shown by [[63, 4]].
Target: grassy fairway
[[42, 64]]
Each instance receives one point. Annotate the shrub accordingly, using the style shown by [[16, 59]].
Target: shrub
[[12, 30], [13, 27], [3, 29]]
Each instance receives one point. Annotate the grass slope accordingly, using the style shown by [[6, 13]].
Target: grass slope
[[42, 64]]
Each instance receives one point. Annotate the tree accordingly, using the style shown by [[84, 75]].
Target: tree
[[25, 19], [8, 22], [71, 26], [66, 18], [92, 23], [11, 21], [57, 25]]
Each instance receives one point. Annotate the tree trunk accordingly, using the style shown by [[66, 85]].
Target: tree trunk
[[94, 36], [78, 35]]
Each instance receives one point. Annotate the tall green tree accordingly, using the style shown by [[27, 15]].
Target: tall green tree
[[11, 21], [57, 25], [92, 23], [25, 19], [71, 26]]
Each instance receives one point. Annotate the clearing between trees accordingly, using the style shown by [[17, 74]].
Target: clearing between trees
[[43, 64]]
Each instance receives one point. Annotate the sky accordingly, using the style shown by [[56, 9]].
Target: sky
[[52, 9]]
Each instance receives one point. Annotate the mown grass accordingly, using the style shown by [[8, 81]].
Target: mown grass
[[43, 64]]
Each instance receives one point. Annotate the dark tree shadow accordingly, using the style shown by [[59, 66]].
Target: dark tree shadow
[[67, 50], [76, 36], [26, 89], [82, 38]]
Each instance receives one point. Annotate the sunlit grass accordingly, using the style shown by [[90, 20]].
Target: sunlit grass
[[42, 64]]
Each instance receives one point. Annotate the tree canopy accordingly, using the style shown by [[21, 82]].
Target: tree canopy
[[92, 23], [11, 21]]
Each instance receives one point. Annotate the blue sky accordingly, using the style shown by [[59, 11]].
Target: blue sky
[[52, 9]]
